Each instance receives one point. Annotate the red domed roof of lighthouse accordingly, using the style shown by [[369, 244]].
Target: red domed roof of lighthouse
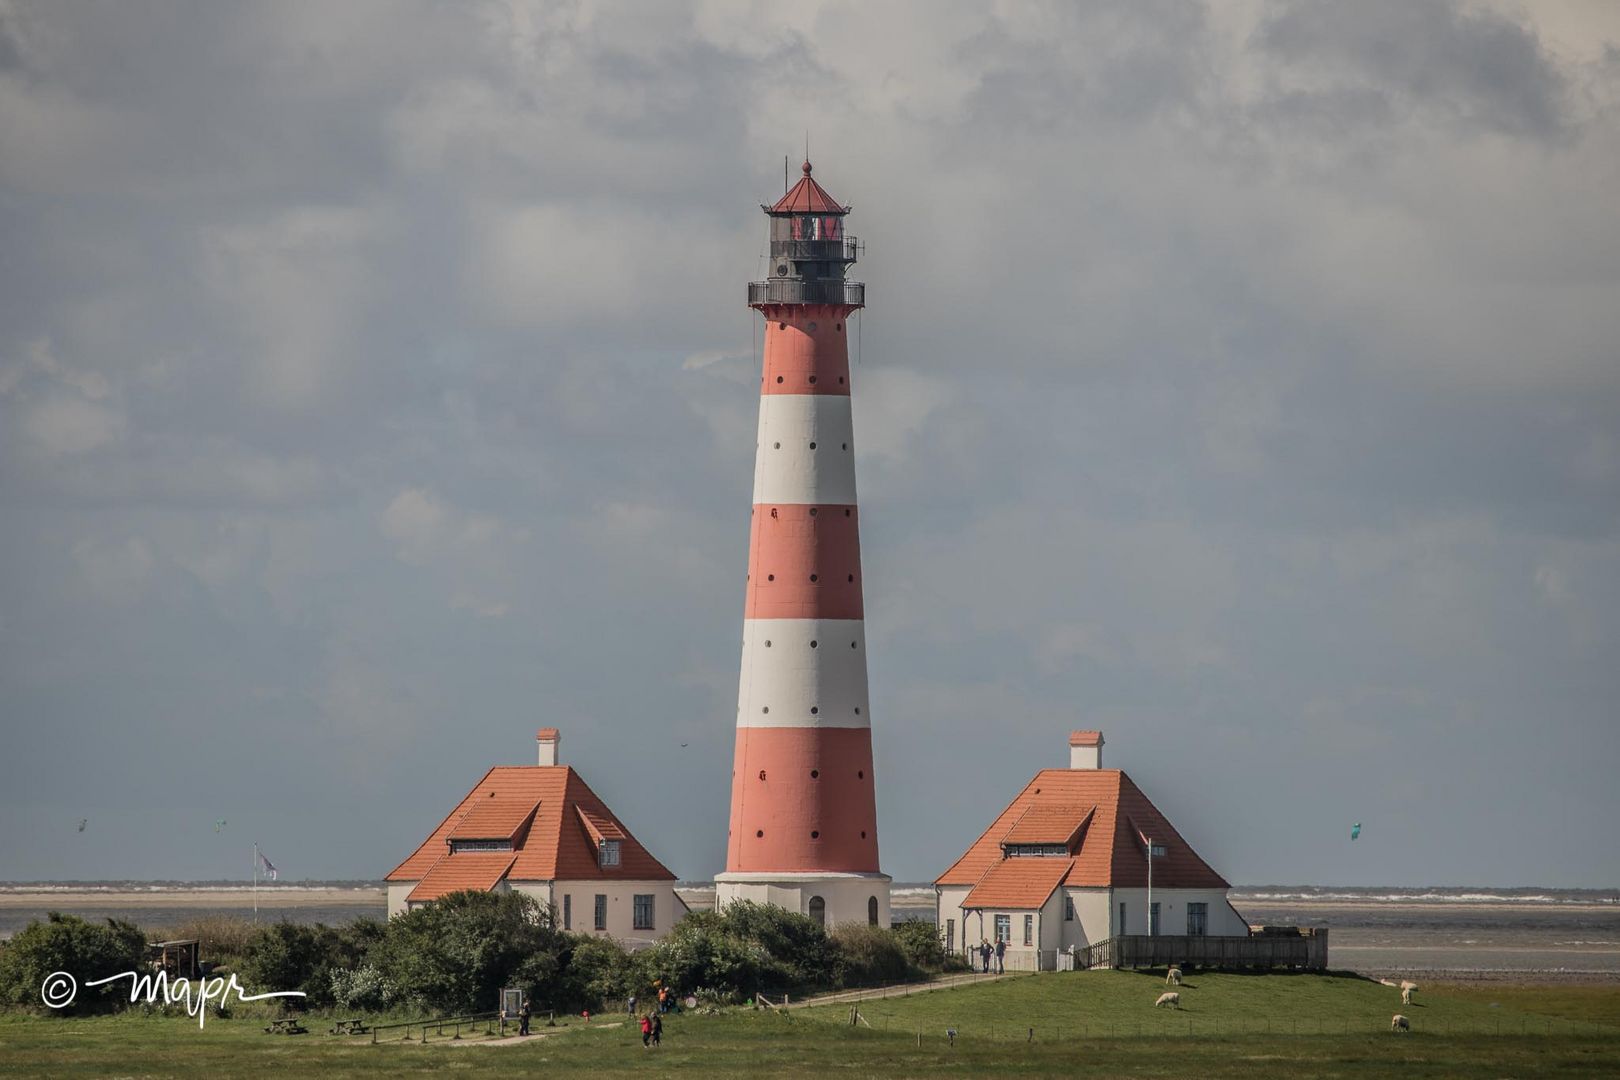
[[807, 197]]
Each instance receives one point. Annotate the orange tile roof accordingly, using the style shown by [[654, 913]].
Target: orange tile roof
[[598, 828], [1109, 854], [1085, 738], [463, 870], [1049, 823], [548, 734], [494, 818], [555, 848], [1020, 883]]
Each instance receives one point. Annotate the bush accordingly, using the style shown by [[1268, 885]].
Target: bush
[[797, 952], [866, 955], [361, 988], [456, 954], [922, 943], [82, 949], [702, 953], [294, 956]]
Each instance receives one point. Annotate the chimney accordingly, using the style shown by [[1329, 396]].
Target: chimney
[[547, 738], [1085, 749]]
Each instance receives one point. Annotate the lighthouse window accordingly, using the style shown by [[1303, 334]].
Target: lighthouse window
[[814, 773], [812, 446], [846, 513], [814, 709], [813, 644], [812, 379], [759, 832], [846, 446], [779, 378], [815, 834], [767, 643], [812, 577], [860, 774], [857, 710], [770, 577], [812, 509], [852, 581], [778, 446], [765, 708]]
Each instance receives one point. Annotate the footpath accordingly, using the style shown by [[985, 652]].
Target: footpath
[[877, 993]]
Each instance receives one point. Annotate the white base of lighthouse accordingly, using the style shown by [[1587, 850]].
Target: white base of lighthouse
[[843, 898]]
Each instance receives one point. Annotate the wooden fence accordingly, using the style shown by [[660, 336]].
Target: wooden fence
[[1304, 949]]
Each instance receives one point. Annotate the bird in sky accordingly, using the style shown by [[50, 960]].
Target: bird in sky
[[84, 821]]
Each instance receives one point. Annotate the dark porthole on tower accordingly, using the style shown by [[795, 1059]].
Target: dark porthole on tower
[[813, 644], [815, 834], [812, 577], [779, 378], [812, 380], [815, 773], [812, 446], [759, 832]]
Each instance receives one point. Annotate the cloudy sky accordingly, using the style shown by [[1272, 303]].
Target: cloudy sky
[[1243, 380]]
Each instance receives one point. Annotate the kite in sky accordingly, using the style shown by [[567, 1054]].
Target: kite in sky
[[220, 824], [1355, 830], [83, 822]]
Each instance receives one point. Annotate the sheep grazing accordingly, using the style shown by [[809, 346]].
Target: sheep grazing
[[1406, 995], [1171, 1000], [1172, 977], [1399, 1023]]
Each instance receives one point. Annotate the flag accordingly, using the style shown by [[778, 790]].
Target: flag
[[267, 867]]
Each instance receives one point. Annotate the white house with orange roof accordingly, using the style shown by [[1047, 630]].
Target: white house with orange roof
[[1067, 864], [539, 829]]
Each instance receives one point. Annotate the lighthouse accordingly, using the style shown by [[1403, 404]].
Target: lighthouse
[[803, 806]]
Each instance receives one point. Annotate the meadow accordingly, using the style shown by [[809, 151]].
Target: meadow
[[1085, 1023]]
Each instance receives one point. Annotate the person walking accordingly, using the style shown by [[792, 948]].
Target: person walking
[[646, 1031], [523, 1018], [984, 955], [630, 1006], [658, 1029], [1001, 956]]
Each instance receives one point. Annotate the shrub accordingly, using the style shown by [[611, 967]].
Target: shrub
[[870, 954], [82, 949], [797, 952], [922, 943], [457, 953], [361, 988]]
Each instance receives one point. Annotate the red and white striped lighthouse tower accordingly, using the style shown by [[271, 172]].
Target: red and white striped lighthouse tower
[[803, 811]]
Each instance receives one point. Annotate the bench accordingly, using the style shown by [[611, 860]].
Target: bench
[[289, 1026], [352, 1026]]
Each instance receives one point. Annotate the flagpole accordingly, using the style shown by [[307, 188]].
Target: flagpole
[[255, 882]]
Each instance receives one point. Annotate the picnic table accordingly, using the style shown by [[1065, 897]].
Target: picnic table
[[352, 1026], [289, 1026]]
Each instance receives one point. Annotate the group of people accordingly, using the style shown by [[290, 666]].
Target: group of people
[[652, 1023], [999, 951]]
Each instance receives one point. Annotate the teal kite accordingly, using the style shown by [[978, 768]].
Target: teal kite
[[1355, 830]]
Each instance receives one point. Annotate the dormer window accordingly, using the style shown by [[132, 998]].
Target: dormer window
[[1014, 851], [479, 845], [607, 854]]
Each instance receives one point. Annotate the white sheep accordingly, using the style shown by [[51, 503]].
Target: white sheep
[[1172, 977], [1406, 995], [1172, 999], [1399, 1023]]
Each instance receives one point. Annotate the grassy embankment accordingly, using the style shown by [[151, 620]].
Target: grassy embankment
[[1579, 1035]]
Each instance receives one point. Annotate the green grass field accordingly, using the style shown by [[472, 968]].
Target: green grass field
[[1566, 1031]]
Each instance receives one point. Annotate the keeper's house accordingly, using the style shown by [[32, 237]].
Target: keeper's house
[[538, 829], [1066, 864]]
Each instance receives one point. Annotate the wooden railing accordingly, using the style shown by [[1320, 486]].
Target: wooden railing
[[1306, 949]]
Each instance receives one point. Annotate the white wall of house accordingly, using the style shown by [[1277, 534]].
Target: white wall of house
[[668, 908], [1221, 919]]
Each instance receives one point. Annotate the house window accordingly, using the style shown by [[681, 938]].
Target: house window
[[950, 935], [1004, 928], [1029, 929], [872, 910], [607, 854], [480, 845], [818, 910], [644, 911], [1013, 851], [1153, 919], [568, 912], [601, 911], [1197, 919], [1068, 909], [1121, 929]]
